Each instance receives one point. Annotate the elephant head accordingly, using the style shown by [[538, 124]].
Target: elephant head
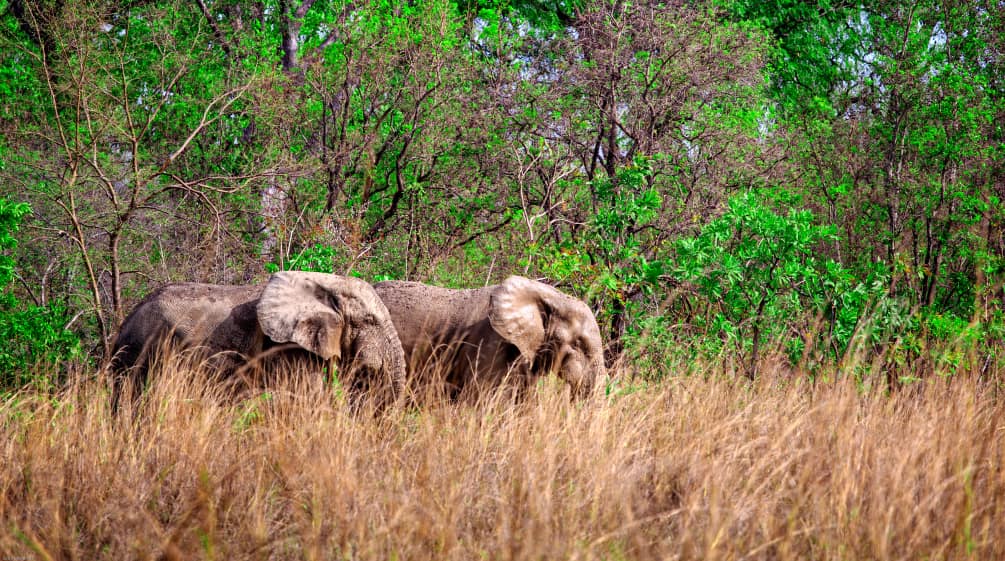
[[553, 331], [510, 333], [336, 318]]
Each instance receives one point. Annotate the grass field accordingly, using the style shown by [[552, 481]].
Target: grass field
[[699, 467]]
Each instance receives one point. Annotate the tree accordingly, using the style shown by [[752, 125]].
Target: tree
[[127, 144]]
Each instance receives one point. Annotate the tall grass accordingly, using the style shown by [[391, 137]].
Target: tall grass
[[699, 467]]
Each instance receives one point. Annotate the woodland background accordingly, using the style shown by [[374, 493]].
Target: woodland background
[[812, 185]]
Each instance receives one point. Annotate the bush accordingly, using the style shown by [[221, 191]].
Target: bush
[[32, 335], [757, 274]]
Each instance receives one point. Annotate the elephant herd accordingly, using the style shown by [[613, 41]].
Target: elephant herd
[[385, 339]]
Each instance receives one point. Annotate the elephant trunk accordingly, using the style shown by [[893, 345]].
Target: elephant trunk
[[583, 375], [585, 389]]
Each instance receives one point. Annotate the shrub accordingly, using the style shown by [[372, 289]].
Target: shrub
[[757, 274], [33, 335]]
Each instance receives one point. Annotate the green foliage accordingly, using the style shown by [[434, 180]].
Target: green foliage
[[540, 15], [322, 259], [611, 252], [816, 44], [11, 214], [757, 275], [613, 260], [33, 336], [319, 258], [622, 150]]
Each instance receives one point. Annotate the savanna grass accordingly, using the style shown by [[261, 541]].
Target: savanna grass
[[698, 467]]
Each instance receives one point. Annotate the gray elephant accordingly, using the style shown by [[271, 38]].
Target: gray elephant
[[512, 332], [295, 316]]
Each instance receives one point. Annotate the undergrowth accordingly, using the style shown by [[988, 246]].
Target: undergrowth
[[704, 466]]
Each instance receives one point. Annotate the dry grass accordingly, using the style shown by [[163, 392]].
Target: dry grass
[[695, 468]]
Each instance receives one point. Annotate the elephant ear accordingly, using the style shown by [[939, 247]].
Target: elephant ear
[[516, 312], [300, 307]]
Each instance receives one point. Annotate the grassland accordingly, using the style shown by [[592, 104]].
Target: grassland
[[698, 467]]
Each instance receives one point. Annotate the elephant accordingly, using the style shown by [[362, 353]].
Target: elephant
[[295, 317], [478, 339]]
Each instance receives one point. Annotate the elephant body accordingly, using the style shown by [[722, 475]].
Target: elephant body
[[297, 317], [477, 339], [447, 333], [221, 320]]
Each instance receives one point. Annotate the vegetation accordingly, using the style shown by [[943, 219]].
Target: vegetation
[[628, 152], [770, 206], [699, 467], [34, 335], [651, 157]]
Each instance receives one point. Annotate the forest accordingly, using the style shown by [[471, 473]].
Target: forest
[[785, 215], [798, 181]]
